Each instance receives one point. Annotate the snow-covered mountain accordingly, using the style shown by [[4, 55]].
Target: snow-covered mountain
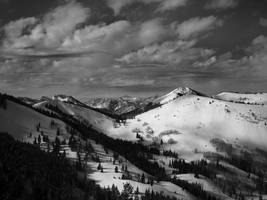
[[119, 105], [68, 105], [191, 120], [178, 92], [193, 125], [183, 116]]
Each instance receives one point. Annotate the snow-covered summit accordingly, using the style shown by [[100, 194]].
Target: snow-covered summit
[[66, 99], [178, 92]]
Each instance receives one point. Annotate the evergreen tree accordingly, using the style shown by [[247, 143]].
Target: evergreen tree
[[39, 139], [56, 146], [99, 166], [143, 178], [127, 191]]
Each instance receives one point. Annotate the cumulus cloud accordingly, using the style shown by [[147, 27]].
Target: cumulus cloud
[[118, 37], [195, 26], [263, 22], [173, 52], [221, 4], [61, 49], [257, 59], [171, 4], [99, 36], [14, 29], [117, 5], [170, 52], [56, 34], [49, 32], [251, 67], [152, 31], [58, 51]]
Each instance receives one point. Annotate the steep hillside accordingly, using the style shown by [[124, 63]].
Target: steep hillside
[[70, 106], [21, 121]]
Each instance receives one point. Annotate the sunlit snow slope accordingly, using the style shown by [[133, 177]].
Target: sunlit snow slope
[[189, 121]]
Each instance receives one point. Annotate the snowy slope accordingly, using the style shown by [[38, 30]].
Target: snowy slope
[[192, 120], [109, 177], [19, 121], [259, 98], [205, 183], [178, 92], [98, 120]]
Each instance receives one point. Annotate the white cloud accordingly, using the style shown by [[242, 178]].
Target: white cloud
[[194, 26], [170, 52], [50, 31], [171, 4], [14, 29], [100, 37], [152, 31], [221, 4], [117, 38], [62, 33], [117, 5]]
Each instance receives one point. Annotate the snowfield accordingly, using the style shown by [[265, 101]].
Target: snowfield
[[20, 121], [258, 98], [189, 122]]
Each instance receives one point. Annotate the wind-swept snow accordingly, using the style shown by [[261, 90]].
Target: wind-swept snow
[[192, 121], [258, 98]]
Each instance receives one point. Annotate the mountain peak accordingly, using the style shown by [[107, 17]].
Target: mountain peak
[[183, 91], [66, 99], [178, 92]]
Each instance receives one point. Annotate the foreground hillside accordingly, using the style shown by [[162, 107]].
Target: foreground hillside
[[26, 172], [21, 121], [73, 145]]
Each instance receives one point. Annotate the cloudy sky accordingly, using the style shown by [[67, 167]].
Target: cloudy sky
[[132, 47]]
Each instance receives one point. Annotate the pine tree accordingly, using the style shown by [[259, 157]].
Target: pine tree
[[116, 169], [127, 191], [143, 178], [58, 131], [35, 141], [99, 166], [57, 146], [39, 139]]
